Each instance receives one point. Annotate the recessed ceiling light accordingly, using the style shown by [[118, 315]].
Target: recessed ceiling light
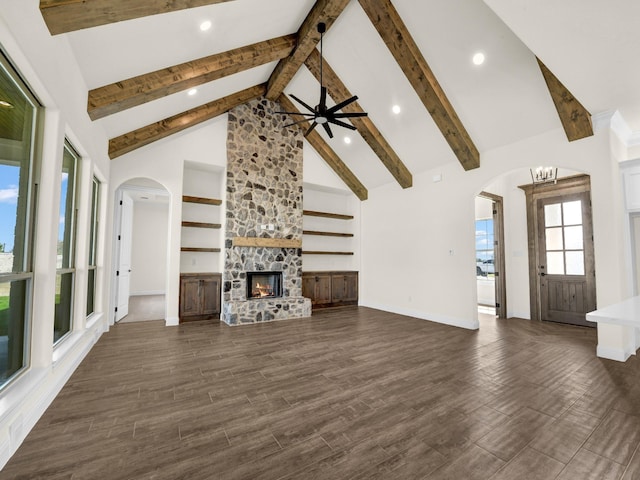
[[5, 104], [347, 140], [192, 92], [478, 58], [396, 109], [206, 25]]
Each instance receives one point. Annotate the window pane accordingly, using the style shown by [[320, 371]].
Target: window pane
[[572, 212], [18, 120], [575, 263], [552, 216], [17, 124], [66, 227], [554, 238], [555, 263], [63, 308], [573, 238], [13, 321], [91, 291]]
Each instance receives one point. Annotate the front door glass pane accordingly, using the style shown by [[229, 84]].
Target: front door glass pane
[[572, 213], [552, 215], [573, 238], [575, 263], [555, 263], [554, 238]]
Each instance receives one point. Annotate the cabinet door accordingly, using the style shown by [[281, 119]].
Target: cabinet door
[[189, 296], [351, 286], [344, 287], [309, 287], [210, 295], [323, 289]]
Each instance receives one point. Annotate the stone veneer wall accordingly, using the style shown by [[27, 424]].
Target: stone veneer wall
[[264, 187]]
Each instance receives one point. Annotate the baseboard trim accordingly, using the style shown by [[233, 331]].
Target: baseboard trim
[[431, 317], [617, 354], [171, 321]]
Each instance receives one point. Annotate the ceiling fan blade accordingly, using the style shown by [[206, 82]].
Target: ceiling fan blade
[[327, 129], [295, 123], [337, 107], [302, 103], [298, 113], [341, 124], [313, 125], [350, 115], [323, 99]]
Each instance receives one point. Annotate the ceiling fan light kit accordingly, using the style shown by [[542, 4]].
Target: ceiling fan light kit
[[321, 115]]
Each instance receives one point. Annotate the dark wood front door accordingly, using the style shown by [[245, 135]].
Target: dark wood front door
[[563, 267]]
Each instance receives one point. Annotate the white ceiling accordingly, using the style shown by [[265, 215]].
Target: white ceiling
[[589, 47]]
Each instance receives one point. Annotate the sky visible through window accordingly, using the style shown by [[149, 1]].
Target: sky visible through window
[[484, 240], [9, 181], [8, 205]]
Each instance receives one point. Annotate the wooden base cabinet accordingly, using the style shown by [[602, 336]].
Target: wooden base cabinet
[[199, 296], [330, 289]]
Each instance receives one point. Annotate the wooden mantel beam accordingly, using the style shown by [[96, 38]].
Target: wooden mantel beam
[[62, 16], [146, 135], [369, 132], [575, 119], [328, 155], [402, 46], [124, 94], [308, 37]]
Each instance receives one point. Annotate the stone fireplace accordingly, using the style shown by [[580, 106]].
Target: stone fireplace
[[263, 216]]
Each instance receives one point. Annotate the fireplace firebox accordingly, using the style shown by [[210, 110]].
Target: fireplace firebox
[[264, 285]]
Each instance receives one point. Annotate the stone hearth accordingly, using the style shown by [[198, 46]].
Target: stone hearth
[[264, 199]]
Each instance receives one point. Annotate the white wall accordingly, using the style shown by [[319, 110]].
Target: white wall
[[423, 238], [149, 248]]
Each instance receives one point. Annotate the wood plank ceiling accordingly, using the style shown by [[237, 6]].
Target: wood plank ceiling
[[291, 51]]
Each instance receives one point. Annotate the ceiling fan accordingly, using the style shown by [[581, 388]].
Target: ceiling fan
[[321, 115]]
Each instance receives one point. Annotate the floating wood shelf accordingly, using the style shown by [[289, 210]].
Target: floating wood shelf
[[316, 252], [201, 225], [206, 201], [339, 216], [267, 242], [197, 249], [327, 234]]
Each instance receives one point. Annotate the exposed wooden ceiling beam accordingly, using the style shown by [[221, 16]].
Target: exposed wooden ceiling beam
[[339, 92], [62, 16], [393, 31], [308, 37], [576, 120], [124, 94], [328, 155], [146, 135]]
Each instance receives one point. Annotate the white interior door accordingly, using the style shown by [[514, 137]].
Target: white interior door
[[123, 275]]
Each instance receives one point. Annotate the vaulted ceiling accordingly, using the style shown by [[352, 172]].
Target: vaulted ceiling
[[140, 58]]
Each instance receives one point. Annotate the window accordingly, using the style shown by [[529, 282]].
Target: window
[[93, 247], [18, 131], [563, 238], [65, 265], [484, 248]]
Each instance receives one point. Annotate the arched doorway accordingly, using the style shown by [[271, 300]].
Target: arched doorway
[[141, 226]]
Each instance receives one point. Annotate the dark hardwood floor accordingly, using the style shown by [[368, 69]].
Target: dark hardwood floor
[[352, 393]]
